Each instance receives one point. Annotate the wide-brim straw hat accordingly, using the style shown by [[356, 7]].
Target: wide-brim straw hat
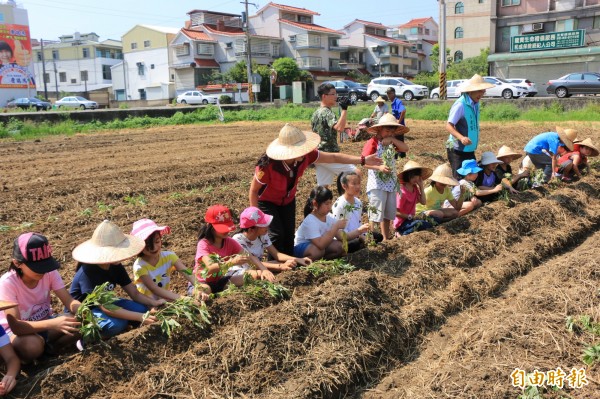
[[292, 143], [476, 83], [380, 100], [488, 158], [443, 174], [567, 136], [506, 152], [589, 144], [388, 120], [108, 245], [412, 165]]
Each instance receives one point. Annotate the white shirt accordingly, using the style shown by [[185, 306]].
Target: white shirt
[[312, 228], [256, 247], [353, 217]]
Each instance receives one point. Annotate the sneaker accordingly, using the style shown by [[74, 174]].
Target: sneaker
[[566, 179]]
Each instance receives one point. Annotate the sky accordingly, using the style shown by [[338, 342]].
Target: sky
[[110, 19]]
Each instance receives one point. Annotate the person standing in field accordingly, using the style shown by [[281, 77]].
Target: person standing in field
[[327, 126], [399, 112], [463, 123]]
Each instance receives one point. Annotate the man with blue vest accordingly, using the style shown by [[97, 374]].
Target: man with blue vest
[[463, 122]]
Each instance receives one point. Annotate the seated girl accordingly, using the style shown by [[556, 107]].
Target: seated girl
[[349, 207], [504, 170], [316, 236], [439, 192], [469, 170], [412, 191], [489, 184]]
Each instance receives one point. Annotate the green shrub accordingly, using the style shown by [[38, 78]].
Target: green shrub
[[225, 99], [500, 112]]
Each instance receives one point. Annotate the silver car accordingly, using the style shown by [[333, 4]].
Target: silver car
[[528, 84], [196, 97], [76, 102], [452, 89], [405, 89]]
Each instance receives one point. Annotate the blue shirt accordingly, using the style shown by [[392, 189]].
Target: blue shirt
[[457, 118], [549, 141], [397, 108], [88, 277]]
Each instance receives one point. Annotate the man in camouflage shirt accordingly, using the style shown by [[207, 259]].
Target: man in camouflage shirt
[[326, 125]]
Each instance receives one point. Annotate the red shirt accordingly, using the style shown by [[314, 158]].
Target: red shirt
[[370, 147], [280, 181]]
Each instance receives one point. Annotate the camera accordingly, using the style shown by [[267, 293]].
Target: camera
[[345, 101]]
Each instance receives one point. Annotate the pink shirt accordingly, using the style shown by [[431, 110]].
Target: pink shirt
[[34, 303], [406, 202], [204, 247]]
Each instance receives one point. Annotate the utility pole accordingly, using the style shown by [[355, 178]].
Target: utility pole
[[246, 24], [44, 71], [442, 49], [56, 80]]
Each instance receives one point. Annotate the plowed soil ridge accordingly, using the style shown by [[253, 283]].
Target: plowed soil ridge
[[345, 334]]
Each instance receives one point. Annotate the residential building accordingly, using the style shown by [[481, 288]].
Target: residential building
[[469, 27], [542, 40], [76, 63], [422, 34], [145, 70], [382, 54]]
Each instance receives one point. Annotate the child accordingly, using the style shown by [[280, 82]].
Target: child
[[489, 184], [381, 108], [576, 161], [469, 170], [411, 193], [214, 239], [32, 275], [254, 239], [439, 192], [543, 149], [153, 267], [506, 155], [13, 364], [99, 261], [349, 207], [381, 183], [533, 177], [315, 238]]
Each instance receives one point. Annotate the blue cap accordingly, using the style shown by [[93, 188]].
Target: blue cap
[[469, 166]]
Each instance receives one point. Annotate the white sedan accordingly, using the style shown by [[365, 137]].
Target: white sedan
[[196, 97], [76, 102]]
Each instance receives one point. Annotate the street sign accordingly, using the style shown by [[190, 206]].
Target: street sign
[[256, 78], [256, 88], [547, 41]]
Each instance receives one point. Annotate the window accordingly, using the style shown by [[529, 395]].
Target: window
[[55, 54], [204, 49], [62, 77], [229, 45], [39, 55], [458, 56], [275, 50], [146, 43], [142, 94], [73, 80], [565, 25], [459, 8], [480, 1], [151, 66], [106, 73], [46, 78], [84, 76], [507, 3], [305, 19], [140, 67], [427, 31], [133, 46], [86, 52], [182, 50], [458, 33], [596, 22], [414, 31]]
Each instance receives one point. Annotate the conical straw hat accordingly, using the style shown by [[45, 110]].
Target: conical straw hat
[[379, 100], [388, 120], [443, 174], [476, 83], [412, 165], [506, 152], [292, 143], [108, 245], [567, 136], [588, 143]]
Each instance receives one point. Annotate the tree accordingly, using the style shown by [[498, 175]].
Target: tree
[[287, 70], [435, 57], [470, 66]]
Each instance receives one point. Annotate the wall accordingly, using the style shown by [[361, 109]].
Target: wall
[[476, 26]]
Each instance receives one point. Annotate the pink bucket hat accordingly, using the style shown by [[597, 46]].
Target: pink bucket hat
[[254, 217], [144, 228]]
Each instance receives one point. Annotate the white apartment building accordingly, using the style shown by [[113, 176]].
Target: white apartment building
[[422, 34]]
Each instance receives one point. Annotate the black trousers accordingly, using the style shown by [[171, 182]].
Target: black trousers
[[456, 158], [400, 154], [283, 225]]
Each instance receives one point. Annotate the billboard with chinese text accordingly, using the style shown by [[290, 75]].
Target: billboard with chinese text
[[15, 57], [547, 41]]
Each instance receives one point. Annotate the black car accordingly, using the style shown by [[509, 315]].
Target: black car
[[27, 103], [347, 88], [575, 83]]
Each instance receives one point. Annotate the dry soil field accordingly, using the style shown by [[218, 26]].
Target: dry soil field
[[448, 313]]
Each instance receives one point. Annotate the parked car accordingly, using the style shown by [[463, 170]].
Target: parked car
[[452, 89], [575, 83], [503, 88], [76, 102], [526, 83], [31, 102], [347, 88], [196, 97], [404, 88]]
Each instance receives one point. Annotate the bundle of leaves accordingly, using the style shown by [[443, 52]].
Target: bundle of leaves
[[100, 296], [388, 159], [328, 267], [223, 262], [257, 289], [184, 307]]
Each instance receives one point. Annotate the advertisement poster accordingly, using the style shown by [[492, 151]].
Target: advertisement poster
[[15, 57]]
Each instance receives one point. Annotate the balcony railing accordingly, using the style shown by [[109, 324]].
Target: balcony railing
[[309, 62], [308, 41]]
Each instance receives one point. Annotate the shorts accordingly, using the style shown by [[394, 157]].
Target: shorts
[[300, 249], [327, 173], [237, 271], [384, 202], [562, 166]]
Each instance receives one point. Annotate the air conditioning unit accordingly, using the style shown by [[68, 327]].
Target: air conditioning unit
[[537, 27], [292, 39]]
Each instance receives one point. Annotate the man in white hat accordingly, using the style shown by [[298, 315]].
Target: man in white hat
[[463, 122], [325, 124]]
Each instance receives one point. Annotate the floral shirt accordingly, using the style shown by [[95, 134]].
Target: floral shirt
[[322, 122], [378, 180]]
